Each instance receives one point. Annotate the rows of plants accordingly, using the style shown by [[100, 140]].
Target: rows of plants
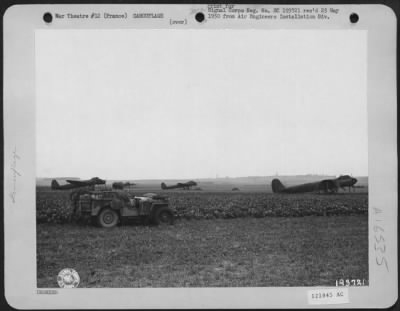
[[55, 206], [226, 205]]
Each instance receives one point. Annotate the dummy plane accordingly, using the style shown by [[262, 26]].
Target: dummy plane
[[74, 184], [326, 185], [185, 186]]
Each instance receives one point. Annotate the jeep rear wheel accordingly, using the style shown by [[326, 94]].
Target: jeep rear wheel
[[163, 215], [108, 218]]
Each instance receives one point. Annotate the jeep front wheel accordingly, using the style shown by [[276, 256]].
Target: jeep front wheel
[[163, 215], [108, 218]]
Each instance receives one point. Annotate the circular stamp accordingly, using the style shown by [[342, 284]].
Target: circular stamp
[[68, 278]]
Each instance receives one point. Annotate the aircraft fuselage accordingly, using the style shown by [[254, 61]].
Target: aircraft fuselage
[[326, 186]]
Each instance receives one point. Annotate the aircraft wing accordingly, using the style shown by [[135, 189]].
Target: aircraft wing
[[77, 182]]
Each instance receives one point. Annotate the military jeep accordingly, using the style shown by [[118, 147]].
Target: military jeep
[[109, 208]]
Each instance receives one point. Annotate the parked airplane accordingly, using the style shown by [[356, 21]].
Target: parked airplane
[[184, 186], [73, 184], [327, 185], [122, 185], [347, 181]]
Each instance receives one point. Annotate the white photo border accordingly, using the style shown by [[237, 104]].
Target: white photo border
[[20, 23]]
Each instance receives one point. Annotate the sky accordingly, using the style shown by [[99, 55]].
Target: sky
[[180, 104]]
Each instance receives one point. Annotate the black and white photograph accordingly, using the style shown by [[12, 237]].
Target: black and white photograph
[[242, 165], [200, 148]]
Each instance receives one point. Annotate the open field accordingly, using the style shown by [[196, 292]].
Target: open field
[[219, 239], [54, 206], [270, 251]]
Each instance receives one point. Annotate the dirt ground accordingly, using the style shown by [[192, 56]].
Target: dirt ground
[[269, 251]]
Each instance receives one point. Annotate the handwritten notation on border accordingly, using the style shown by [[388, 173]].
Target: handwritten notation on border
[[15, 174]]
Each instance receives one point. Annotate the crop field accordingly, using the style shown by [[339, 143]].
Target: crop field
[[55, 207], [270, 251], [219, 239]]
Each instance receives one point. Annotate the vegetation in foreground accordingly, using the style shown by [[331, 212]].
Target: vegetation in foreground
[[269, 251], [55, 206]]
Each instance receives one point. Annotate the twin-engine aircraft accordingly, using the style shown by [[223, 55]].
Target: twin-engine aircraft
[[122, 185], [185, 186], [74, 184], [326, 186]]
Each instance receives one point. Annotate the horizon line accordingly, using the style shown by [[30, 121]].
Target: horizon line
[[199, 178]]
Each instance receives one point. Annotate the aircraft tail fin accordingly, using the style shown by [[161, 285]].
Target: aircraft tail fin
[[55, 185], [163, 186], [277, 186]]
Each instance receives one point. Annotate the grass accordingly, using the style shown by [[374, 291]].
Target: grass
[[270, 251]]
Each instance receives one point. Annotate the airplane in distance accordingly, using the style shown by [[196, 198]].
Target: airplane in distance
[[326, 185], [74, 184], [122, 185], [184, 186]]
